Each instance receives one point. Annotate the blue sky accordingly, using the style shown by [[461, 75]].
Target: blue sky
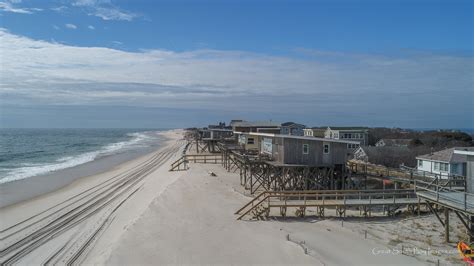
[[375, 63]]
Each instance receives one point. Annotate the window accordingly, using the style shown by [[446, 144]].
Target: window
[[443, 167], [250, 141], [326, 148], [420, 163], [436, 166], [305, 149], [454, 168], [336, 135]]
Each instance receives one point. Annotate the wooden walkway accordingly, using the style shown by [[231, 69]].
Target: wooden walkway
[[406, 175], [452, 200], [300, 201], [183, 162], [445, 196]]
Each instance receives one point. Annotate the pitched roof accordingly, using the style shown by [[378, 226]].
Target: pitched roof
[[348, 128], [446, 155], [292, 124], [297, 137], [255, 124]]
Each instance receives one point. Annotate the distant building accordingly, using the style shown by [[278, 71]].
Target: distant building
[[444, 163], [469, 153], [383, 155], [216, 133], [317, 132], [256, 126], [360, 134], [393, 143], [233, 121], [292, 129], [221, 125]]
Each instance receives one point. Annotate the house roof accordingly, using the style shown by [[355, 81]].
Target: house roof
[[348, 128], [255, 124], [292, 124], [447, 155], [297, 137]]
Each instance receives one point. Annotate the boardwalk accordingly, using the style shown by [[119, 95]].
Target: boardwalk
[[365, 200], [460, 201]]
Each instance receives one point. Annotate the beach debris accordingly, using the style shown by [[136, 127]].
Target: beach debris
[[212, 173]]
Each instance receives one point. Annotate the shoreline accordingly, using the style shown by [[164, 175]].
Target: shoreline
[[17, 191], [57, 226]]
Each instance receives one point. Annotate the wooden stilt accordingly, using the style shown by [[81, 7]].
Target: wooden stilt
[[446, 225]]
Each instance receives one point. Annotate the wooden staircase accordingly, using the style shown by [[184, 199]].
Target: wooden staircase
[[180, 164]]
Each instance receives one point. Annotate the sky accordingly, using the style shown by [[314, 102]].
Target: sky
[[148, 64]]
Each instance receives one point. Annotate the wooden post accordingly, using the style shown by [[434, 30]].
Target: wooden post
[[446, 225], [471, 236], [419, 206]]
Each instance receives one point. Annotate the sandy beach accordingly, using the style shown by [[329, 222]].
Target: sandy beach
[[192, 222], [139, 213], [62, 226]]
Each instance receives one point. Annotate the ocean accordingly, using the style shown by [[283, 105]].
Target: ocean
[[26, 153]]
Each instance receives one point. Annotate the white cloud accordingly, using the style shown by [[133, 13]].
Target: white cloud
[[11, 6], [353, 85], [91, 27], [59, 8], [112, 14], [55, 27], [70, 26], [104, 9]]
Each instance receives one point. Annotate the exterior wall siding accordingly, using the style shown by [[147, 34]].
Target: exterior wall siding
[[428, 166], [337, 134], [293, 152], [470, 173]]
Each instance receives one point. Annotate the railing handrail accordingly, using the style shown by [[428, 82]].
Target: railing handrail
[[286, 196], [347, 196], [253, 207], [250, 202]]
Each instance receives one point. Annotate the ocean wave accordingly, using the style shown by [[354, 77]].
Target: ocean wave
[[27, 170]]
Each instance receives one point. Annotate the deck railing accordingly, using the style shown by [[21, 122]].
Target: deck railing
[[445, 195], [324, 198], [183, 161], [408, 175]]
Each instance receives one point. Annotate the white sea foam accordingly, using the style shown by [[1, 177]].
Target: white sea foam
[[139, 139]]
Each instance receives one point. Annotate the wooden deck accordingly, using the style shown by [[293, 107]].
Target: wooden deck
[[365, 200], [459, 201]]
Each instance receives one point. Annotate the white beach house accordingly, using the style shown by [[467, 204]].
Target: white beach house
[[469, 153], [444, 163]]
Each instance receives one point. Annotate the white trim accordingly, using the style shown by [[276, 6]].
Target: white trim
[[431, 160], [464, 152]]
